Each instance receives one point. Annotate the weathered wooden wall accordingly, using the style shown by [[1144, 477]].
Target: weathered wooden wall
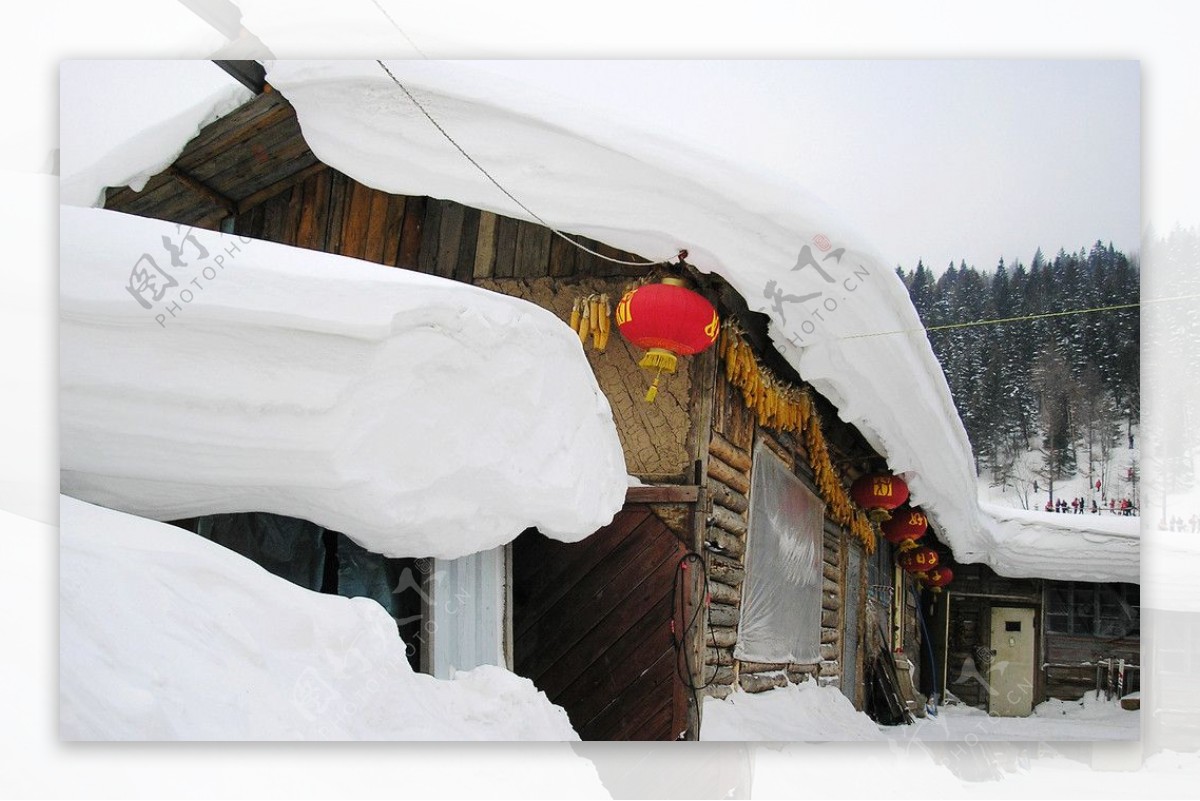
[[729, 464], [1070, 660]]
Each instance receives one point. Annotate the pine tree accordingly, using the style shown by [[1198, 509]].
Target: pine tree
[[1055, 375]]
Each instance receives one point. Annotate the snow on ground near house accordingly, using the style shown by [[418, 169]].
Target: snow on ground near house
[[165, 635], [419, 416], [806, 712], [1088, 719], [837, 311], [148, 116], [796, 712]]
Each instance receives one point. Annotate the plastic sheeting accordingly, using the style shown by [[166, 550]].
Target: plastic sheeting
[[781, 601]]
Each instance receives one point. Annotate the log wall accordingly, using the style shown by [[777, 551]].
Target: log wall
[[734, 434]]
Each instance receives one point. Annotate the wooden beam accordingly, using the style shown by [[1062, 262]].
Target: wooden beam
[[670, 493], [268, 192], [202, 189], [249, 74]]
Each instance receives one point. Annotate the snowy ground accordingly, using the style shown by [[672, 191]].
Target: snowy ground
[[809, 713], [1115, 482], [165, 635], [1052, 721]]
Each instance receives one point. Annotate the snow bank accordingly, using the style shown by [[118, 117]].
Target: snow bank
[[796, 712], [123, 122], [838, 312], [1055, 720], [420, 416], [165, 635]]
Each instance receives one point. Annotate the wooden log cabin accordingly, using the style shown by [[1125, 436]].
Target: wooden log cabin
[[629, 629], [1012, 643]]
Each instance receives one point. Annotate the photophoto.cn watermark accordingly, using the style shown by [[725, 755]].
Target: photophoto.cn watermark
[[164, 281], [814, 308]]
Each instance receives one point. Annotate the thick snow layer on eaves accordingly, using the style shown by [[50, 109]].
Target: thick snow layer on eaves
[[838, 314], [123, 122], [419, 416], [168, 636]]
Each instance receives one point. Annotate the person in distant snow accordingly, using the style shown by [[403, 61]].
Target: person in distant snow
[[1075, 506], [1049, 506], [1095, 508]]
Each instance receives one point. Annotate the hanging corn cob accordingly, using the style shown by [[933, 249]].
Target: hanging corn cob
[[605, 308], [789, 408], [591, 316], [576, 317]]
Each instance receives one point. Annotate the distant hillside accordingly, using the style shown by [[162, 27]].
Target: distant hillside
[[1039, 360]]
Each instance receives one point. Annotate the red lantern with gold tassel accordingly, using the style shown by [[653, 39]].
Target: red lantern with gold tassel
[[906, 526], [919, 561], [879, 494], [667, 320], [938, 577]]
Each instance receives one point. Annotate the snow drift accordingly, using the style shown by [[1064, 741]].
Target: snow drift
[[165, 635], [419, 416], [795, 713], [837, 312]]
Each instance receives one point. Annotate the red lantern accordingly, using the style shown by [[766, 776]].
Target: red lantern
[[919, 561], [879, 494], [666, 320], [906, 526], [938, 577]]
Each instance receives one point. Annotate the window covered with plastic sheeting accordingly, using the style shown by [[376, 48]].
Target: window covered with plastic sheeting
[[781, 599]]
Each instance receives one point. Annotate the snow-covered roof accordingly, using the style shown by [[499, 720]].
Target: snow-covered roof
[[419, 416], [837, 312]]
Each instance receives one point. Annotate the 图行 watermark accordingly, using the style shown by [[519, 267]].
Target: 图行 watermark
[[165, 281]]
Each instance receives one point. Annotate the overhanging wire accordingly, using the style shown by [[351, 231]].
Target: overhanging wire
[[1023, 318], [508, 194], [396, 25]]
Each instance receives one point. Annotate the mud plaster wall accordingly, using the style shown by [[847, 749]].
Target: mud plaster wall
[[653, 435]]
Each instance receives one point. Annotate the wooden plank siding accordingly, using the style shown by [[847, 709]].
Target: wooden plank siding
[[592, 625]]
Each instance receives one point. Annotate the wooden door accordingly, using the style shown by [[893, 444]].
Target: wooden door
[[592, 626], [1010, 674]]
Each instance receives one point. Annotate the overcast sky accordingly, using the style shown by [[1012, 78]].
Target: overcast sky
[[932, 160]]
